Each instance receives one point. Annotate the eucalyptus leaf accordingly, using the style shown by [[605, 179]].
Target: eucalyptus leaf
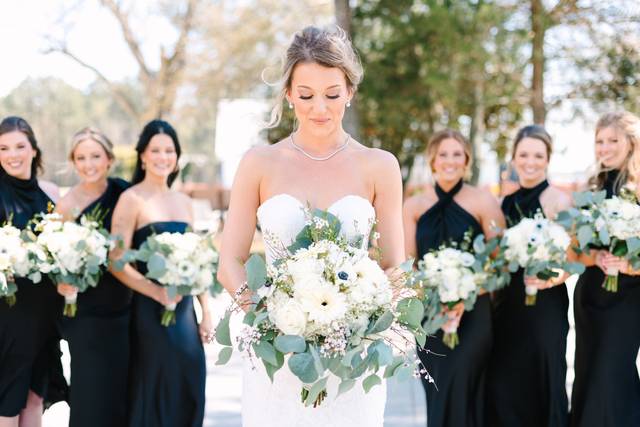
[[256, 272], [371, 381], [345, 386], [223, 334], [290, 344], [411, 311], [224, 355], [303, 367], [265, 351], [382, 324]]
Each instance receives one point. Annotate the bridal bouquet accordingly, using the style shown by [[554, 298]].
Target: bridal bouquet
[[538, 245], [612, 223], [18, 258], [76, 254], [184, 263], [325, 307], [452, 275]]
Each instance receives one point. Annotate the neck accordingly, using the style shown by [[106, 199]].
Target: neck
[[447, 185], [318, 145], [155, 182], [531, 183]]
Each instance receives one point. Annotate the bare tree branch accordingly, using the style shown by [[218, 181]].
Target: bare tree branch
[[121, 97], [123, 19]]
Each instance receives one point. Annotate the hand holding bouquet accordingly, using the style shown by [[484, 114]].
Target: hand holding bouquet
[[326, 308], [538, 245], [184, 263], [17, 259], [75, 254], [612, 223]]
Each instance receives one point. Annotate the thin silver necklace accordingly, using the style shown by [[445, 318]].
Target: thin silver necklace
[[320, 159]]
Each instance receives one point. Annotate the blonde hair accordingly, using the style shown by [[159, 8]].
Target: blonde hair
[[437, 138], [329, 47], [92, 134], [629, 125]]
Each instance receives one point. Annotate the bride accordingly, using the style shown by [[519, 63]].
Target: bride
[[321, 166]]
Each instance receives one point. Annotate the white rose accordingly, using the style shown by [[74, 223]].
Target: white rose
[[290, 318]]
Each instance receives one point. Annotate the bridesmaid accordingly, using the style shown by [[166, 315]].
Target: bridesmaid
[[442, 214], [30, 367], [99, 334], [606, 389], [527, 372], [167, 371]]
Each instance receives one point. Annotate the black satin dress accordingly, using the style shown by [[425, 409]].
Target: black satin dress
[[29, 340], [457, 399], [99, 339], [168, 371], [606, 389], [528, 368]]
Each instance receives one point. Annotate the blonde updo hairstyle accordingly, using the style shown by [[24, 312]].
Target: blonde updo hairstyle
[[329, 47], [92, 134], [628, 125], [437, 138]]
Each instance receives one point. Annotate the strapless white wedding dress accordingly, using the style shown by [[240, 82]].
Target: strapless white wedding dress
[[277, 404]]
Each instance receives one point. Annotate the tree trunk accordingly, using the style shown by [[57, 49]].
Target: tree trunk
[[343, 19], [477, 128], [538, 29]]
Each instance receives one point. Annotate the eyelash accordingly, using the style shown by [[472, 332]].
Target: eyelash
[[306, 98]]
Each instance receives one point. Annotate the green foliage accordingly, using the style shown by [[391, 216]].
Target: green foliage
[[431, 64]]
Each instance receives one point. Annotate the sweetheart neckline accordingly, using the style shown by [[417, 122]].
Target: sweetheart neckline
[[356, 196]]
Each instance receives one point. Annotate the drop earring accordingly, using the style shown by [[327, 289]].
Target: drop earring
[[290, 106]]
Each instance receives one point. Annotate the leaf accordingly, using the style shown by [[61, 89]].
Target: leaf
[[346, 385], [313, 350], [223, 334], [256, 272], [290, 344], [371, 381], [382, 352], [303, 367], [403, 373], [315, 391], [265, 351], [224, 355], [382, 324], [156, 263], [633, 245], [411, 312], [574, 268], [390, 369], [478, 244], [583, 198], [349, 355], [407, 266]]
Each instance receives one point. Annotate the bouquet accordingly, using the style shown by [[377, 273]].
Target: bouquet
[[452, 275], [184, 263], [18, 258], [326, 308], [612, 223], [74, 253], [538, 245]]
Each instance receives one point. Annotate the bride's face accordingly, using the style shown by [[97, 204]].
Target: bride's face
[[319, 96]]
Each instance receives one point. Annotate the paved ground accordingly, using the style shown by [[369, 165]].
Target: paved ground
[[405, 402]]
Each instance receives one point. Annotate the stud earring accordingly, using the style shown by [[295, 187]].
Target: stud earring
[[290, 105], [348, 104]]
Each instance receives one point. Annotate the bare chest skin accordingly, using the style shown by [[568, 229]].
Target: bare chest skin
[[160, 207], [319, 183]]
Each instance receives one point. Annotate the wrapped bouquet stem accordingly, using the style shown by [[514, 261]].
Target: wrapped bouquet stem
[[531, 293], [450, 329], [169, 314], [70, 305]]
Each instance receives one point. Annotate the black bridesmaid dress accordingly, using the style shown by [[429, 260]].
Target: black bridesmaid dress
[[168, 370], [99, 339], [606, 389], [527, 371], [29, 340], [457, 399]]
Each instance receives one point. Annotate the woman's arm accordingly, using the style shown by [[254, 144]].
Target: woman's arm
[[123, 224], [491, 216], [409, 223], [387, 202], [240, 224]]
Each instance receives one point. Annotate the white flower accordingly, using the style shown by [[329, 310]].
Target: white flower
[[323, 304], [290, 318]]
